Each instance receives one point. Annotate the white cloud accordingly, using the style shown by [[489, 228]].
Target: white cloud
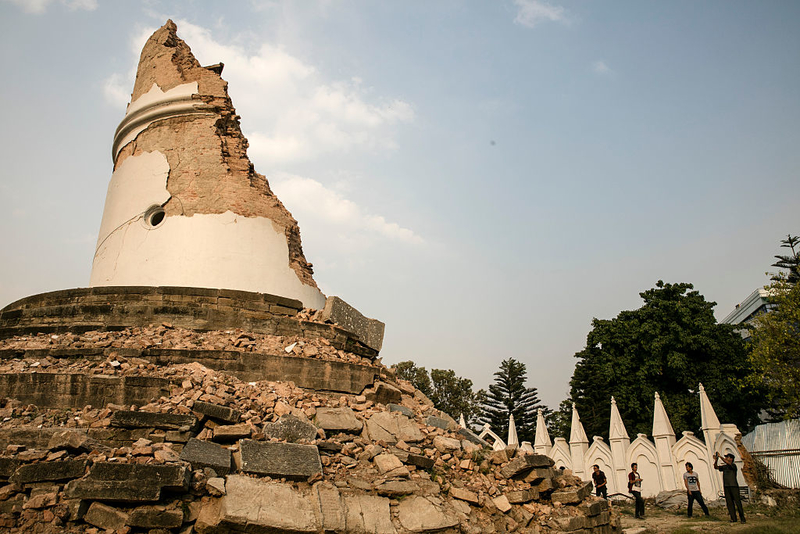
[[291, 111], [116, 91], [600, 67], [39, 7], [532, 12], [329, 213]]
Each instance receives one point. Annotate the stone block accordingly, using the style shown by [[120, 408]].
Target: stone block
[[402, 409], [8, 466], [217, 412], [522, 464], [546, 485], [464, 495], [537, 474], [228, 433], [473, 437], [572, 495], [254, 505], [71, 440], [202, 454], [593, 508], [290, 428], [438, 422], [130, 491], [105, 517], [522, 496], [173, 477], [289, 460], [446, 445], [418, 514], [368, 514], [369, 331], [502, 503], [392, 427], [163, 421], [331, 507], [383, 393], [420, 461], [49, 471], [338, 420], [155, 517], [390, 465], [396, 488]]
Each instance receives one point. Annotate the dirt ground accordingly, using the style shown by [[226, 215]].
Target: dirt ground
[[760, 520]]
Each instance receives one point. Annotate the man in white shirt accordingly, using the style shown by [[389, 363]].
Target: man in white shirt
[[692, 483]]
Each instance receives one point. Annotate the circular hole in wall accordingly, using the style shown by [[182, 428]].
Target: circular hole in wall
[[154, 216]]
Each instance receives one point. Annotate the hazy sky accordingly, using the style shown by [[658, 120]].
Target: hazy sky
[[484, 177]]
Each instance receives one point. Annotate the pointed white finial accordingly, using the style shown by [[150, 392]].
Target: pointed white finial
[[577, 434], [461, 422], [616, 428], [512, 431], [661, 424], [542, 437], [708, 417]]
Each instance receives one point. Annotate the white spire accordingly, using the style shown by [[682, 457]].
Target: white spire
[[461, 422], [577, 434], [512, 431], [616, 428], [542, 436], [708, 418], [661, 424]]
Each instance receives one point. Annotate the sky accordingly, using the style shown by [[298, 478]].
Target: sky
[[484, 177]]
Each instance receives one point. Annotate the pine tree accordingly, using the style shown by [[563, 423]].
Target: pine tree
[[790, 263], [509, 395]]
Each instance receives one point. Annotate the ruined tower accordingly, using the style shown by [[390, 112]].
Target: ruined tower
[[185, 207]]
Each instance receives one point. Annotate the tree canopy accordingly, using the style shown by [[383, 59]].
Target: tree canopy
[[668, 346], [449, 393], [789, 262], [775, 337], [509, 395]]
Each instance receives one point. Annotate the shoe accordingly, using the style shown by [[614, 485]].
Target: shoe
[[734, 521]]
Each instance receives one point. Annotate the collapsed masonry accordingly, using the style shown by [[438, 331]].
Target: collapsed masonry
[[155, 402]]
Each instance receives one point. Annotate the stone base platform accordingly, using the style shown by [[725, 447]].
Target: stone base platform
[[201, 309]]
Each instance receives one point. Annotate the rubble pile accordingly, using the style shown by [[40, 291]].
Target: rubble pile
[[166, 336], [222, 455]]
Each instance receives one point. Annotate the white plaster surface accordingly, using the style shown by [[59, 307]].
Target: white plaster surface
[[206, 250], [138, 183]]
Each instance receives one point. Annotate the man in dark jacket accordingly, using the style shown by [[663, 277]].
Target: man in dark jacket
[[635, 487], [733, 499], [600, 482]]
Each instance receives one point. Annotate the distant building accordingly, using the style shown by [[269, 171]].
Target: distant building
[[751, 307]]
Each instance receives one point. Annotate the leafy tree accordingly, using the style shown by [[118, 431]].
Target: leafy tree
[[668, 346], [509, 395], [775, 336], [454, 396], [789, 262], [559, 422], [418, 376], [448, 392]]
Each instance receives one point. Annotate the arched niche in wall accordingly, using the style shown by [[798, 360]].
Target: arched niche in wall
[[560, 454], [643, 452], [599, 453], [692, 450]]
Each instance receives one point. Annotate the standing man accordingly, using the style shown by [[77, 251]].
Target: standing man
[[600, 482], [635, 487], [692, 483], [733, 499]]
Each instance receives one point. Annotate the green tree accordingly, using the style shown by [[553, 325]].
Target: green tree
[[789, 262], [449, 393], [559, 422], [509, 395], [668, 346], [775, 336]]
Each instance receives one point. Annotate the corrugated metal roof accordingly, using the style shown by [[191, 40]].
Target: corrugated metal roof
[[778, 446]]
